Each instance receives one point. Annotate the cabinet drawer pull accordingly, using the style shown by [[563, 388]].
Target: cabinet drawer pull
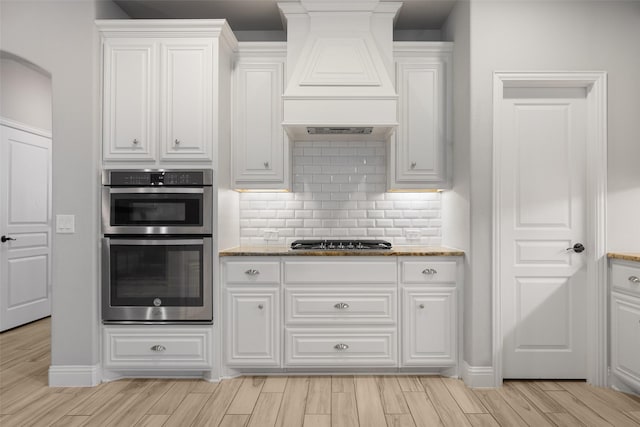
[[252, 272], [260, 306], [266, 165], [421, 306], [158, 348], [341, 346], [413, 165], [429, 271], [135, 141], [634, 279], [341, 305], [176, 142]]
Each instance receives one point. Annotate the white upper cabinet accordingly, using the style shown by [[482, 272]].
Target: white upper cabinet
[[129, 99], [260, 146], [186, 79], [162, 82], [419, 149]]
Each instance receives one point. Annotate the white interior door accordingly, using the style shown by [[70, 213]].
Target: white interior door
[[542, 209], [25, 226]]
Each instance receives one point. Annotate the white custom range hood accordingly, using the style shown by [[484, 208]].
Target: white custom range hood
[[339, 68]]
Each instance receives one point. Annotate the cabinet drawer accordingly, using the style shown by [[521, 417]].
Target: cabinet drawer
[[253, 272], [428, 272], [336, 305], [169, 348], [341, 347], [358, 271], [625, 277]]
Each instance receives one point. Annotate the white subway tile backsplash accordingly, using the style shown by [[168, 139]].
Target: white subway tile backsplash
[[339, 191]]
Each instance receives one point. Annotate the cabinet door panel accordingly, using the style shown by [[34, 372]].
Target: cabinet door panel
[[418, 152], [420, 148], [186, 99], [625, 338], [429, 327], [260, 159], [252, 327], [128, 114]]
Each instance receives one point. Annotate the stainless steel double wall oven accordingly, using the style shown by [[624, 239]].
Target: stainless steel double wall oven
[[157, 250]]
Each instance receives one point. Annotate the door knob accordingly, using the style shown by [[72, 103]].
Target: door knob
[[5, 239], [577, 248]]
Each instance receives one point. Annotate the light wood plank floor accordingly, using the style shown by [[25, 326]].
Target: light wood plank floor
[[305, 401]]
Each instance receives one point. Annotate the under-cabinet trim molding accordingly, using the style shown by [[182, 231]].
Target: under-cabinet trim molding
[[74, 375], [477, 376]]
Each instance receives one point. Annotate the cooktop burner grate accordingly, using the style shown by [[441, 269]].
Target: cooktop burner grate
[[341, 244]]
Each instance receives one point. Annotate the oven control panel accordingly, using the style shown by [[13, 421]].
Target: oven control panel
[[150, 178]]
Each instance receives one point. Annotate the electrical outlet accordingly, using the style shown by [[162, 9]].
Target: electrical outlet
[[270, 235], [412, 234]]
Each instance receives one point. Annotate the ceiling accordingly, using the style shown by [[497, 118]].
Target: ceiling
[[263, 15]]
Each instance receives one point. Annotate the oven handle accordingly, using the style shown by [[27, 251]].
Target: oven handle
[[156, 190], [158, 242]]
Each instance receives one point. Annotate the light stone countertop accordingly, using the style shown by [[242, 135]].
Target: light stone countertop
[[395, 251], [627, 256]]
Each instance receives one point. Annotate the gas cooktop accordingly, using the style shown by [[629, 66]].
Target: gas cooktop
[[341, 244]]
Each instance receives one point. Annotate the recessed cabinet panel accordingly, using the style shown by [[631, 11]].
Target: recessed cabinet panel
[[339, 305], [186, 99], [418, 152], [260, 147], [129, 100], [625, 338], [157, 347], [429, 327], [340, 347], [252, 331]]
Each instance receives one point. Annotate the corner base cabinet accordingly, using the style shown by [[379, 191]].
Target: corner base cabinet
[[625, 324], [294, 313]]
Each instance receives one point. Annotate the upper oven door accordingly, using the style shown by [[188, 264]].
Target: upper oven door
[[150, 210]]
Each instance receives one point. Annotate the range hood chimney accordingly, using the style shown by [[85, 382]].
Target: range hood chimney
[[339, 68]]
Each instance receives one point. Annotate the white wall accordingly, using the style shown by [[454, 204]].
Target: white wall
[[25, 92], [455, 203], [545, 35], [60, 37]]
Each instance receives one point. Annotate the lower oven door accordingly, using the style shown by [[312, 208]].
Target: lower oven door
[[157, 280]]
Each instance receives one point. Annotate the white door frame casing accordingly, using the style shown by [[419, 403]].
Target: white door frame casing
[[595, 84]]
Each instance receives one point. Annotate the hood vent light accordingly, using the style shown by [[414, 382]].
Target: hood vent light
[[339, 130]]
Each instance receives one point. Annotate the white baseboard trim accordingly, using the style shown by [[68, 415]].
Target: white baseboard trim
[[74, 375], [478, 376]]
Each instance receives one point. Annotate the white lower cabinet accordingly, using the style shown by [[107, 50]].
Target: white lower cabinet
[[342, 312], [251, 312], [141, 348], [429, 308], [252, 334], [428, 327], [625, 323]]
